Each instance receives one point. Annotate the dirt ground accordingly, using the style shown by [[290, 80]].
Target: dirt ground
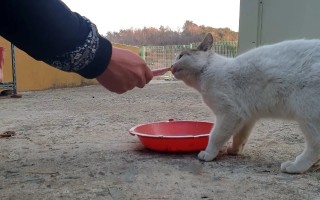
[[74, 144]]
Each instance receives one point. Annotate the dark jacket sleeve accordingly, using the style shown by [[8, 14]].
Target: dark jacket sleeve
[[49, 31]]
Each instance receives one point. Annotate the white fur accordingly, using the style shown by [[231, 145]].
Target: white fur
[[280, 80]]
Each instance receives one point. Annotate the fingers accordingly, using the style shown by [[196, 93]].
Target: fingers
[[142, 80], [148, 75], [141, 83], [145, 78]]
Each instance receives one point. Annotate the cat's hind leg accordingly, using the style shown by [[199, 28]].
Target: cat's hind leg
[[225, 126], [240, 139], [311, 153]]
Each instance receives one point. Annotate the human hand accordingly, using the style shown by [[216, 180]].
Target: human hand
[[125, 71]]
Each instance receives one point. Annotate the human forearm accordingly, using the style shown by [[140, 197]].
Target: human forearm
[[49, 31]]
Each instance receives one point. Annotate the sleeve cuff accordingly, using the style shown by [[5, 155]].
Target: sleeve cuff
[[88, 60], [100, 62]]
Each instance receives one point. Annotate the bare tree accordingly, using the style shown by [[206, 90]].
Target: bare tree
[[150, 36]]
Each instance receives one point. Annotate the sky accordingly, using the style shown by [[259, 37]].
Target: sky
[[126, 14]]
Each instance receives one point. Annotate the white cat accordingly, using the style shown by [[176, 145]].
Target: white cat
[[280, 81]]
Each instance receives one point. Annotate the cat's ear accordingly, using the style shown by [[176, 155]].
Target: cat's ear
[[207, 43]]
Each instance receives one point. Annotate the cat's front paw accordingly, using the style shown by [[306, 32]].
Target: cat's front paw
[[291, 168], [205, 156]]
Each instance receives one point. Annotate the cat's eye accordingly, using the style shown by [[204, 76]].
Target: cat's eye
[[180, 56]]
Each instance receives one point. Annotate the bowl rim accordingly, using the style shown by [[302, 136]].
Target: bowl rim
[[133, 132]]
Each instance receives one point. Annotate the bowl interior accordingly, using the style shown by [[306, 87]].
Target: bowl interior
[[173, 129]]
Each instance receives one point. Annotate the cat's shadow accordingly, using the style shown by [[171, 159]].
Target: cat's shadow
[[188, 161]]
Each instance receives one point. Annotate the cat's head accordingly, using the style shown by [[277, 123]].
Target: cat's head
[[190, 63]]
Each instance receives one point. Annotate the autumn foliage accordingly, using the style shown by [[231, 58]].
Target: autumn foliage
[[190, 33]]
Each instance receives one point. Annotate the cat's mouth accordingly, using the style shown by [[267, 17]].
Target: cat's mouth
[[175, 70]]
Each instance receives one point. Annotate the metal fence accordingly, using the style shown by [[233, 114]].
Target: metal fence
[[163, 56]]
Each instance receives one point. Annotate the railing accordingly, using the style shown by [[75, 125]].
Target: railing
[[9, 87], [163, 56]]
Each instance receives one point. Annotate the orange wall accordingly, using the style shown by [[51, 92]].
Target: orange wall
[[36, 75]]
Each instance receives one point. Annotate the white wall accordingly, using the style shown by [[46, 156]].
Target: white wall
[[270, 21]]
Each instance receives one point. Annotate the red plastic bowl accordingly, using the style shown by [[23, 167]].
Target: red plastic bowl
[[174, 136]]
